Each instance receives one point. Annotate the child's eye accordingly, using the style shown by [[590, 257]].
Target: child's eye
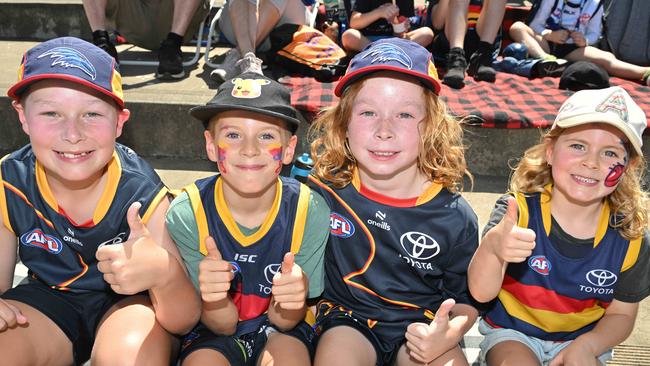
[[405, 115], [267, 136], [611, 154], [367, 113], [50, 114], [232, 135], [92, 115], [579, 147]]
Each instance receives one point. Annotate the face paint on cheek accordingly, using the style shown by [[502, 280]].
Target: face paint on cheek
[[615, 175], [222, 149], [275, 150]]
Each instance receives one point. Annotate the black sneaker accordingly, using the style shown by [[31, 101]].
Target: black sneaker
[[170, 61], [456, 65], [480, 66], [102, 40], [553, 68]]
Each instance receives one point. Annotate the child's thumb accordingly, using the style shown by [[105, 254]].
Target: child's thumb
[[211, 247], [512, 212], [134, 220], [287, 262]]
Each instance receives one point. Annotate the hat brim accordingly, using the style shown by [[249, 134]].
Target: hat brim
[[205, 112], [19, 88], [602, 118], [346, 80]]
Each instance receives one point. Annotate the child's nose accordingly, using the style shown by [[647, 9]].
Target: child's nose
[[250, 147], [73, 131], [384, 129]]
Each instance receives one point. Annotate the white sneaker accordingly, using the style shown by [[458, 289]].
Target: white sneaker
[[250, 63], [228, 68]]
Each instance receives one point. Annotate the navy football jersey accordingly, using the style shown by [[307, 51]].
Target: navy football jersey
[[256, 258], [393, 264], [56, 251]]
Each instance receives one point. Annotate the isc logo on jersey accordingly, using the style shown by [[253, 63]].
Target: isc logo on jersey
[[340, 226], [37, 238], [540, 264]]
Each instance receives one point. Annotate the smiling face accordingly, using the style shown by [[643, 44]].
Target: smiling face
[[250, 150], [587, 163], [72, 130], [384, 134]]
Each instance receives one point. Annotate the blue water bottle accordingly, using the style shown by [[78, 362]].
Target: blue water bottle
[[302, 167]]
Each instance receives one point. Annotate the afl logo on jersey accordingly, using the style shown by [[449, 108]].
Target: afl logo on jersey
[[540, 264], [37, 238], [340, 226]]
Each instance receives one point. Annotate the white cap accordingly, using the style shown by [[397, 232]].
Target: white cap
[[613, 106]]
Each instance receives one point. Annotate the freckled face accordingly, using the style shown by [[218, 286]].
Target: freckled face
[[587, 162], [250, 150]]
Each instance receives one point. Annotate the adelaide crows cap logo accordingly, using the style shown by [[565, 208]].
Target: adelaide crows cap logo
[[392, 54], [71, 59]]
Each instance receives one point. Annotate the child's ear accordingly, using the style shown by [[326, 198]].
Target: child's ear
[[550, 144], [122, 116], [289, 150], [20, 109], [210, 148]]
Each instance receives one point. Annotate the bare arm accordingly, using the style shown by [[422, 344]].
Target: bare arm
[[7, 257]]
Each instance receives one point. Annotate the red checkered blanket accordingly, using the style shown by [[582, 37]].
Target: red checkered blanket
[[511, 102]]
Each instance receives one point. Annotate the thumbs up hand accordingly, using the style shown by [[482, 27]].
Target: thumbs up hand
[[215, 274], [426, 342], [516, 243], [135, 265], [289, 287]]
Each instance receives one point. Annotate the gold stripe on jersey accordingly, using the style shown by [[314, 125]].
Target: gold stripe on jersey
[[522, 206], [432, 190], [547, 320], [301, 218], [231, 225], [24, 198], [3, 200], [632, 253], [201, 220], [64, 285], [114, 172], [154, 204]]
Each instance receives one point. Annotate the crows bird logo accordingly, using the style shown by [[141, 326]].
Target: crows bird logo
[[69, 57], [388, 52]]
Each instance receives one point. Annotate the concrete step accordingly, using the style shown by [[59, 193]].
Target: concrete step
[[41, 20]]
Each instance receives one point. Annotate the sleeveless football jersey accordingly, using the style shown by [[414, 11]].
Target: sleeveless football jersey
[[554, 297], [392, 265], [255, 258], [56, 251]]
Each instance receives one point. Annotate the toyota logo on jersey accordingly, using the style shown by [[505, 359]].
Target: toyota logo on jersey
[[37, 238], [270, 271], [419, 246], [601, 277]]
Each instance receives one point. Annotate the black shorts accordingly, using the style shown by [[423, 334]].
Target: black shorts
[[560, 50], [77, 314], [330, 315], [245, 349]]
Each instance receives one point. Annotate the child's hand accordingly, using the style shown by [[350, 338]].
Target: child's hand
[[575, 353], [515, 243], [558, 36], [215, 274], [10, 316], [579, 39], [388, 11], [136, 265], [289, 285], [426, 342]]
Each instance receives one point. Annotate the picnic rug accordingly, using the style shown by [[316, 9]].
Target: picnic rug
[[513, 101]]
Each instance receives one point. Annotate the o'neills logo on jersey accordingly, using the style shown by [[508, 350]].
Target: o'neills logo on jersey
[[37, 238], [540, 264], [599, 278], [340, 226]]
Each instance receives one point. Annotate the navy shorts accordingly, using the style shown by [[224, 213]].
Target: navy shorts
[[245, 349], [560, 50], [77, 314], [330, 315]]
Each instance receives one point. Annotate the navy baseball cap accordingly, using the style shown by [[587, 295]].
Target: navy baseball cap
[[392, 54], [71, 59], [252, 92]]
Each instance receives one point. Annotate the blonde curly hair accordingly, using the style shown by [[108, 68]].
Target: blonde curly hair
[[441, 154], [628, 202]]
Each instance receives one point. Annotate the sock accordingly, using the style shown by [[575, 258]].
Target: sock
[[484, 47], [646, 75], [100, 33], [176, 38]]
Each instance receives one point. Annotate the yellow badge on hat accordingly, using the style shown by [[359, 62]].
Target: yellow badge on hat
[[248, 88]]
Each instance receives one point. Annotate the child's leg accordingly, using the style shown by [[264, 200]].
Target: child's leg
[[130, 326], [439, 14], [422, 36], [609, 62], [511, 353], [205, 356], [353, 40], [489, 21], [342, 346], [39, 342], [456, 23], [453, 357], [537, 47], [282, 349]]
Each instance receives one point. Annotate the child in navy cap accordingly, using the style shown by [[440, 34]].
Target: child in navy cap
[[390, 163], [88, 213], [252, 241]]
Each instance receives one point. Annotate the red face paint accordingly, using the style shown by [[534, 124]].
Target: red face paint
[[221, 157], [276, 152], [615, 175]]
